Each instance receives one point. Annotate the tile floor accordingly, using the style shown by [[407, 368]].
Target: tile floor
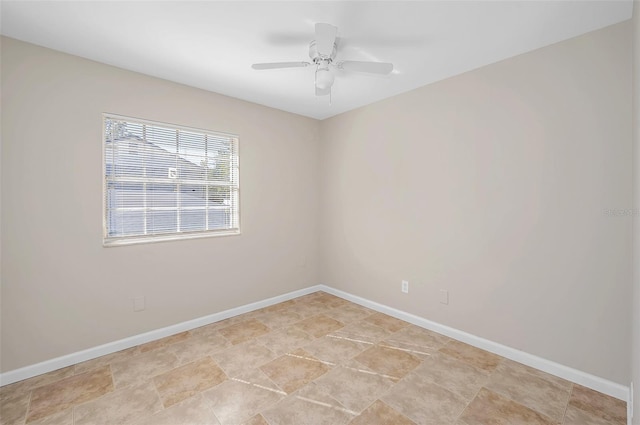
[[314, 360]]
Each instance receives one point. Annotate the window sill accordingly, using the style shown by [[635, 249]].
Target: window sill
[[135, 240]]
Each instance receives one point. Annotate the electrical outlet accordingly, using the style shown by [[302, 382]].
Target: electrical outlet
[[138, 304], [405, 286], [444, 296]]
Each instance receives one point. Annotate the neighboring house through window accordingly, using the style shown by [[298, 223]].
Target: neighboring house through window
[[164, 182]]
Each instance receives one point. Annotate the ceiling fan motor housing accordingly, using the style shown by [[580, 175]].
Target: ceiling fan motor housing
[[317, 58]]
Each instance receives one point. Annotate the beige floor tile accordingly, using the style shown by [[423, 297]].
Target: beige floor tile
[[294, 370], [458, 377], [193, 411], [188, 380], [308, 309], [425, 402], [363, 331], [318, 326], [239, 399], [285, 340], [69, 392], [380, 413], [238, 319], [354, 387], [354, 364], [328, 300], [105, 360], [210, 329], [422, 339], [336, 349], [61, 418], [199, 346], [257, 420], [422, 353], [546, 396], [309, 297], [35, 382], [314, 360], [492, 408], [472, 355], [243, 357], [163, 342], [279, 307], [280, 319], [387, 322], [575, 416], [123, 406], [559, 382], [349, 313], [308, 406], [600, 405], [216, 326], [244, 331], [13, 408], [391, 363], [142, 367]]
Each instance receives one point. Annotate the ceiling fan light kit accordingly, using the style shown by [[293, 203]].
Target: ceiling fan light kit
[[323, 51], [324, 78]]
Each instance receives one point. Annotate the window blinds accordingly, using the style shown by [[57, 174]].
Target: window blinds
[[167, 182]]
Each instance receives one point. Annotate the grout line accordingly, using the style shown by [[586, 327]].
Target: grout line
[[259, 386], [351, 339], [372, 373], [566, 408], [371, 404], [26, 414], [508, 397], [310, 359], [321, 403], [468, 404], [155, 388], [397, 341], [406, 350]]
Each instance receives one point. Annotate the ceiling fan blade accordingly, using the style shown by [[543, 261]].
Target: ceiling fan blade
[[382, 68], [278, 65], [323, 92], [325, 39]]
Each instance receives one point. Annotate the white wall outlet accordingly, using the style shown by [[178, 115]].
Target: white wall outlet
[[444, 296], [138, 304], [405, 286]]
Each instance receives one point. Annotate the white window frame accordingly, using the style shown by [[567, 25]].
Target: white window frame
[[108, 241]]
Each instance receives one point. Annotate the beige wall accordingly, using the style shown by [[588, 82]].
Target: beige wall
[[493, 185], [61, 290], [635, 353]]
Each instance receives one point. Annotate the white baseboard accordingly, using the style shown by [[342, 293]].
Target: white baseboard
[[576, 376], [91, 353], [590, 381]]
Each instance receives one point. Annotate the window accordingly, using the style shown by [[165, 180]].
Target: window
[[163, 182]]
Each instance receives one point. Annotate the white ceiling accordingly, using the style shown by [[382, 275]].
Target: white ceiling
[[212, 44]]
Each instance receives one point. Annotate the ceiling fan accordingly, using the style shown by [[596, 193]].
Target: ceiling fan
[[322, 52]]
